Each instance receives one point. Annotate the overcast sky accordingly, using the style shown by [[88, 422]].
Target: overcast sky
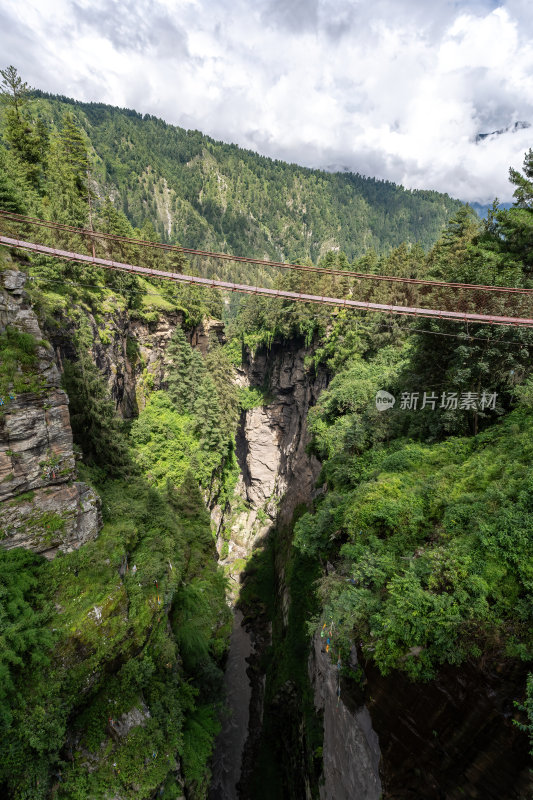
[[396, 89]]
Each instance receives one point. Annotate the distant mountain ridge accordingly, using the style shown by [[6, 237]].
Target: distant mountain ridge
[[204, 193], [517, 126], [482, 209]]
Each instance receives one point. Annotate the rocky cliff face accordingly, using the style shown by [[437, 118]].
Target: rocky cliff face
[[271, 450], [277, 435], [129, 351], [351, 754], [42, 506], [276, 475]]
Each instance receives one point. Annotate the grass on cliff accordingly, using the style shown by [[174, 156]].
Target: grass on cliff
[[19, 364], [122, 637]]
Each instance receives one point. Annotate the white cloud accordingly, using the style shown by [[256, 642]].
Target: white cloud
[[396, 89]]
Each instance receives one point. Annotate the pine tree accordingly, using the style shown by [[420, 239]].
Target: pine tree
[[151, 257], [220, 369], [515, 225], [10, 195], [27, 140], [67, 189], [209, 417], [180, 373], [116, 223], [198, 371]]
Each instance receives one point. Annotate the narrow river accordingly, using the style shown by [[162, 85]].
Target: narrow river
[[230, 742]]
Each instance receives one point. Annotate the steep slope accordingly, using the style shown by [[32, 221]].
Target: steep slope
[[204, 193]]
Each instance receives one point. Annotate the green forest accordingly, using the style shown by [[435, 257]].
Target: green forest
[[426, 511]]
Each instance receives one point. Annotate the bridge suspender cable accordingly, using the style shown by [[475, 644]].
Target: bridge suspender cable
[[91, 235], [455, 316]]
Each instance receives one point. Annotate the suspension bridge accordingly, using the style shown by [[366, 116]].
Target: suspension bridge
[[90, 236]]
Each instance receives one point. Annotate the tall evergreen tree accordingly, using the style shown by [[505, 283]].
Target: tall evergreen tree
[[180, 373], [116, 223], [209, 417], [67, 187], [515, 225], [10, 195], [220, 370], [27, 139]]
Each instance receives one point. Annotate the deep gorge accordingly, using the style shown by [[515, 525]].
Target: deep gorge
[[293, 736], [302, 741], [203, 505]]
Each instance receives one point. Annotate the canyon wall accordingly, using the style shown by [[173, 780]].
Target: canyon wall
[[350, 753], [42, 505], [278, 475]]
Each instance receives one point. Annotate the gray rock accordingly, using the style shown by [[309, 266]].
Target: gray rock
[[25, 320], [130, 719], [42, 507], [351, 754], [263, 457], [52, 520], [35, 443], [14, 280]]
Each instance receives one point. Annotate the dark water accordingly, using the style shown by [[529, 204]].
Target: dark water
[[229, 746]]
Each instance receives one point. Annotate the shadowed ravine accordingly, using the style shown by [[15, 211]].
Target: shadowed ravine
[[229, 746]]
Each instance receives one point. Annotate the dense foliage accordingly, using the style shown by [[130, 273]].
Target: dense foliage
[[427, 518], [137, 620]]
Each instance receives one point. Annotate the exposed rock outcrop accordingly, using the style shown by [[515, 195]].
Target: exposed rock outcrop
[[271, 449], [277, 474], [35, 442], [42, 506], [130, 349], [294, 390], [48, 520], [133, 718], [452, 737], [351, 752]]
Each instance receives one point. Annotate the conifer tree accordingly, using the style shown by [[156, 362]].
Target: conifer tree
[[209, 418], [515, 225], [67, 187], [116, 223], [27, 139], [180, 374], [198, 371], [220, 369], [151, 257], [10, 195]]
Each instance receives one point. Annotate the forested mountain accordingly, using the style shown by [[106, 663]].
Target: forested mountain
[[208, 194]]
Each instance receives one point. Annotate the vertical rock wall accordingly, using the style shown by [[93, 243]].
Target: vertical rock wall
[[452, 737], [128, 351], [277, 474], [42, 506], [350, 753]]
